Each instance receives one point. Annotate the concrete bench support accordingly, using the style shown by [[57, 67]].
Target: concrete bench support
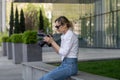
[[35, 70]]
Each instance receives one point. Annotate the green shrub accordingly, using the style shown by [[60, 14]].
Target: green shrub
[[29, 37], [8, 39], [4, 34], [4, 38], [16, 38]]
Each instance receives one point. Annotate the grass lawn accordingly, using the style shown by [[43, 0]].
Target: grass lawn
[[108, 68]]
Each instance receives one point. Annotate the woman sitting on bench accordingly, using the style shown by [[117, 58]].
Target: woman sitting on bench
[[68, 50]]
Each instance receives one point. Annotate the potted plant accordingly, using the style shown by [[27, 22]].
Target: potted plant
[[4, 40], [16, 40], [31, 50], [9, 48]]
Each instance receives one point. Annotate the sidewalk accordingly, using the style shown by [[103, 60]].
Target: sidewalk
[[85, 54], [10, 71]]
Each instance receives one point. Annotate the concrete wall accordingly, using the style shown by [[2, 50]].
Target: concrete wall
[[35, 70], [2, 15]]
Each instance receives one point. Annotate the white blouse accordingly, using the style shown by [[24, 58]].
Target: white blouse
[[69, 45]]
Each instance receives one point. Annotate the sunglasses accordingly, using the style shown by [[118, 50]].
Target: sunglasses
[[57, 26]]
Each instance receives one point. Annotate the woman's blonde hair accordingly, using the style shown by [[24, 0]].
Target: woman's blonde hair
[[63, 20]]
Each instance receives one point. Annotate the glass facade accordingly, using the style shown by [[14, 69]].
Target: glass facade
[[97, 22]]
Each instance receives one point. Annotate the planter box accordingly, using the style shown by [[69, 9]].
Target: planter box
[[4, 47], [9, 50], [32, 52], [17, 53]]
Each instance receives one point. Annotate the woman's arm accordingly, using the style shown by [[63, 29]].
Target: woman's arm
[[55, 46]]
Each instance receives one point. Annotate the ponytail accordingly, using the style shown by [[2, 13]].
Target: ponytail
[[70, 25]]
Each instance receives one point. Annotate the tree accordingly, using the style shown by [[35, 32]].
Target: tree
[[11, 23], [22, 21], [31, 17], [17, 27], [47, 26], [41, 21]]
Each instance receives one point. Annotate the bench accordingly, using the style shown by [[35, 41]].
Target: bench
[[35, 70]]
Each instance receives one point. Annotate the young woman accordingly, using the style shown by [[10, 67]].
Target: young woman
[[68, 50]]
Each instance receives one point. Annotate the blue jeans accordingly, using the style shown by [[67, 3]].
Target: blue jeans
[[67, 68]]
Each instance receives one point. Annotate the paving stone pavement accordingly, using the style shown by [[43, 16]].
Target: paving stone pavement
[[9, 71]]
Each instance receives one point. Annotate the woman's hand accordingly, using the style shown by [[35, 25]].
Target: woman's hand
[[48, 39], [51, 41]]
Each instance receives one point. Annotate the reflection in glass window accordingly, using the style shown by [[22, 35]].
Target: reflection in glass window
[[84, 16]]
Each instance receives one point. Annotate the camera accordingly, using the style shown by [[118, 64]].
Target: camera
[[40, 37], [41, 42]]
